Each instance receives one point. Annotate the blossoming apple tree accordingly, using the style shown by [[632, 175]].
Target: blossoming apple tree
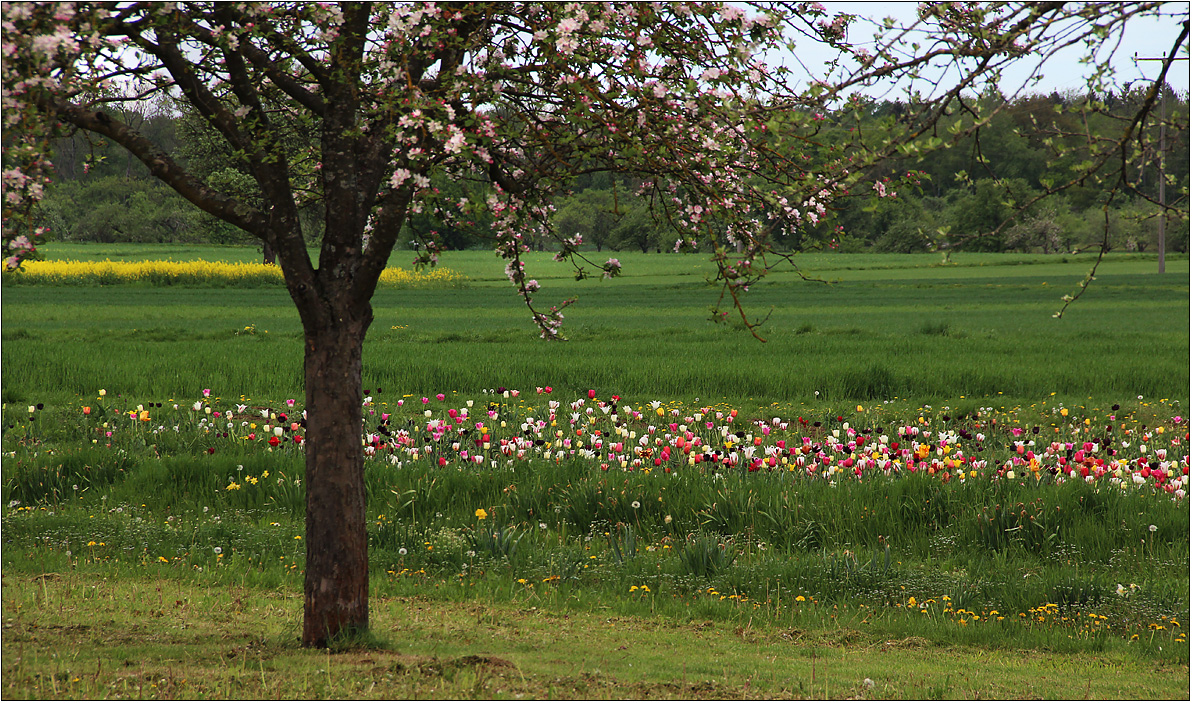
[[693, 100]]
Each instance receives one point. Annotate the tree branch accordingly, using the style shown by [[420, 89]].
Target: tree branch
[[161, 165]]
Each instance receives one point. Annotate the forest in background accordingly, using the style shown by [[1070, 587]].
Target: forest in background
[[969, 197]]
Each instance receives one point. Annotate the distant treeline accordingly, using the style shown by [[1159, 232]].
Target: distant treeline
[[968, 197]]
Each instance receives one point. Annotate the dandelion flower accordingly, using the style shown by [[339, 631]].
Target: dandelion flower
[[481, 514]]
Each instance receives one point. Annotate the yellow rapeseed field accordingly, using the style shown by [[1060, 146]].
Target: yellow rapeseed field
[[196, 273]]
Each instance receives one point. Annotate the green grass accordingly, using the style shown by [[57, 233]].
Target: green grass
[[720, 584], [706, 540], [916, 331], [74, 635]]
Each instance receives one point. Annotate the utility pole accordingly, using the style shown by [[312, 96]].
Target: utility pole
[[1162, 160], [1162, 177]]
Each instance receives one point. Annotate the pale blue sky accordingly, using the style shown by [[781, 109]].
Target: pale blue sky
[[1144, 37]]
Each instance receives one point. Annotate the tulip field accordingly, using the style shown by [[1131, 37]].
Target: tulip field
[[920, 453]]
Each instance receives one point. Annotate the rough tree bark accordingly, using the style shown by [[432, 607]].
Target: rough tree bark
[[335, 319], [336, 587]]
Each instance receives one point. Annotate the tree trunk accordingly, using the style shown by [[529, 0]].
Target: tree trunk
[[336, 586], [269, 256]]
